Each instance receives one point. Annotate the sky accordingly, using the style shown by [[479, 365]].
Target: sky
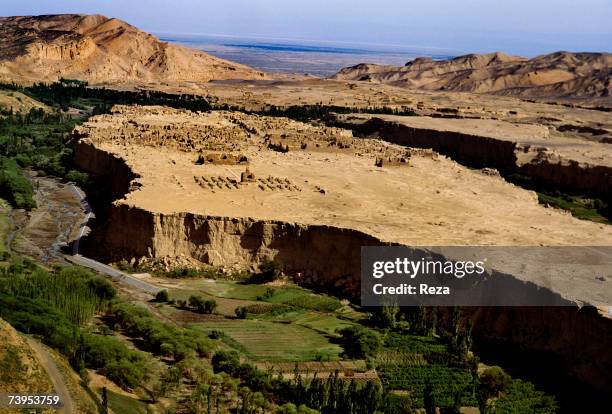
[[527, 27]]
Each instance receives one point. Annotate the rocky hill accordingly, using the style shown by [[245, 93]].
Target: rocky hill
[[584, 76], [101, 50]]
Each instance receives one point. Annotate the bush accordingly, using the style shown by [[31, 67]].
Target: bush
[[494, 381], [139, 322], [360, 342], [216, 334], [202, 306], [290, 408], [226, 361], [241, 312], [162, 296], [183, 272], [124, 366], [79, 178], [269, 271]]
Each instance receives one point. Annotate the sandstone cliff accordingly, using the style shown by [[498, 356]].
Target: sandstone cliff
[[97, 49]]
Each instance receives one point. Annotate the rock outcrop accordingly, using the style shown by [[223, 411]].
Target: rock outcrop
[[584, 76], [102, 50]]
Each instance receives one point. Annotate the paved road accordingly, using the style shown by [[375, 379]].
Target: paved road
[[48, 363], [113, 273]]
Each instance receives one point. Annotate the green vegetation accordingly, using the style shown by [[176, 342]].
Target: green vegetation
[[161, 338], [201, 305], [359, 342], [162, 296], [68, 93], [580, 207], [522, 397], [75, 292], [433, 364], [327, 396], [287, 295], [269, 271], [56, 306], [253, 339], [126, 367], [122, 404], [14, 186], [306, 113]]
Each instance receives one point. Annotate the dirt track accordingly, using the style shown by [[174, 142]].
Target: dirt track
[[56, 378]]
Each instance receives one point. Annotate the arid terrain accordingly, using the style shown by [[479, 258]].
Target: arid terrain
[[101, 50], [572, 76]]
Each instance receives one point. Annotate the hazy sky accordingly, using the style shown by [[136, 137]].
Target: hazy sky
[[515, 26]]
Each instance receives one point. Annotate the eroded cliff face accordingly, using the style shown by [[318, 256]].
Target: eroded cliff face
[[473, 150], [323, 255], [113, 169]]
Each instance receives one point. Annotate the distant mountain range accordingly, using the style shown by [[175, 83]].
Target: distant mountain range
[[556, 75], [101, 50], [104, 50]]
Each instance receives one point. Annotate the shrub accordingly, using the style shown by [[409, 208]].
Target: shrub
[[216, 334], [360, 342], [494, 381], [162, 296], [269, 271], [139, 322], [210, 306], [183, 272], [226, 361], [79, 178], [202, 306], [124, 366], [241, 312]]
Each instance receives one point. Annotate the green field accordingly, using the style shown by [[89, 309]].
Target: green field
[[122, 404], [286, 323], [317, 321], [262, 340]]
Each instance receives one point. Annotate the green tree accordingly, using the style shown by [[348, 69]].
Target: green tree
[[360, 342], [162, 296], [241, 312], [429, 399]]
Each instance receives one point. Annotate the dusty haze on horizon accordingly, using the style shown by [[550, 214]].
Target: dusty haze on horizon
[[516, 26]]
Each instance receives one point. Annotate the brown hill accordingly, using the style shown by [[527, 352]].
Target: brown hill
[[557, 75], [20, 368], [101, 50]]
